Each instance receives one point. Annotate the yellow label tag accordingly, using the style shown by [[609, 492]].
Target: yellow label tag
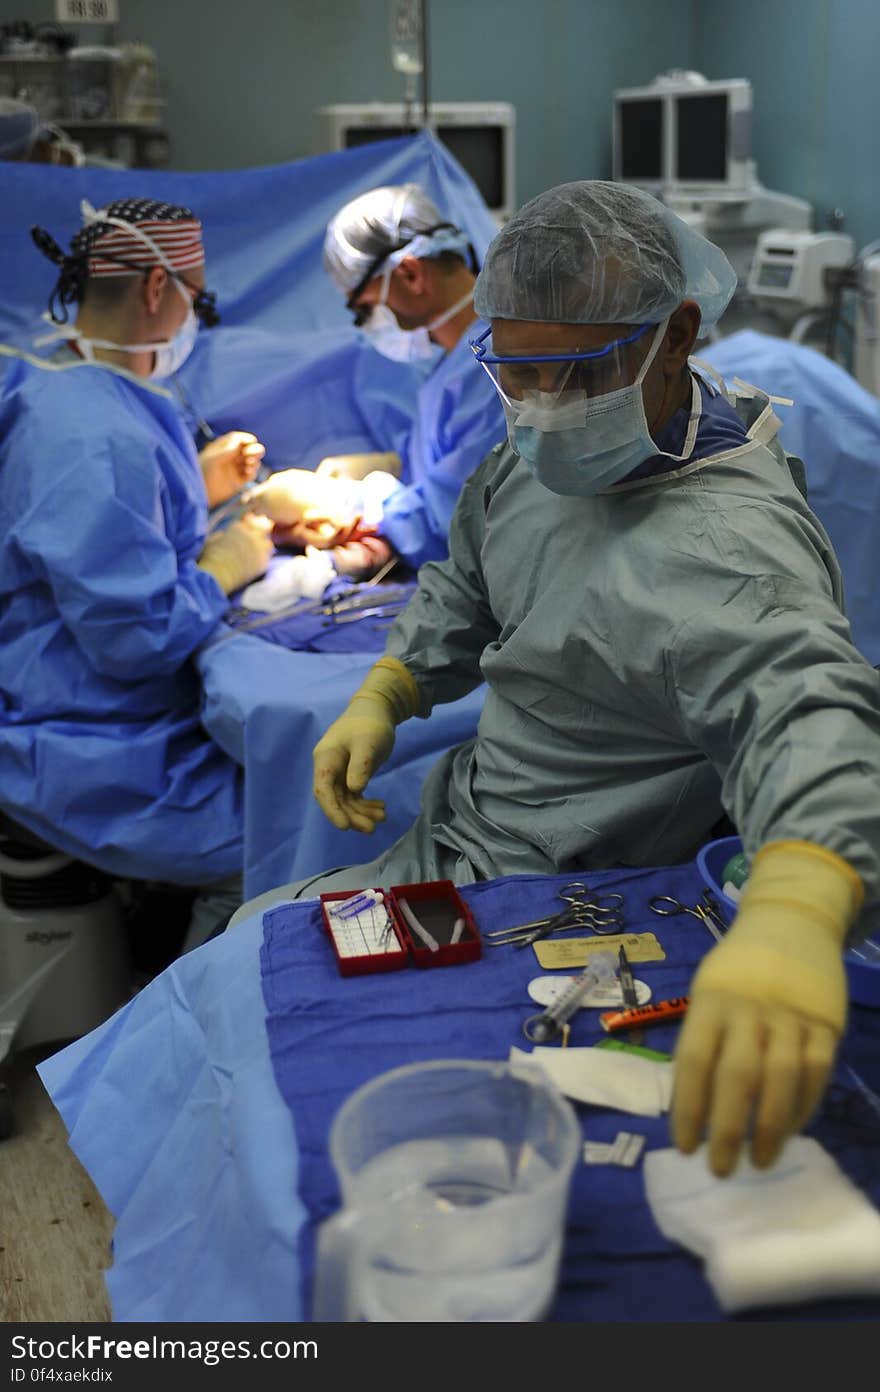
[[576, 952]]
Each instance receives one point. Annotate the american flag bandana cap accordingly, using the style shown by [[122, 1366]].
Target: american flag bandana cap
[[139, 233]]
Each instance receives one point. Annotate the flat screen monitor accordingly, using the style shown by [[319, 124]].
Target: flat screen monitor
[[641, 140], [686, 134], [701, 137], [478, 149], [640, 137], [479, 135]]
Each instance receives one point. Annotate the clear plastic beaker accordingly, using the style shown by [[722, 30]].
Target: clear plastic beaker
[[454, 1179]]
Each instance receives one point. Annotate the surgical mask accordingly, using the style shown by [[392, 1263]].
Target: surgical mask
[[578, 446], [383, 333], [413, 346], [169, 355], [173, 353]]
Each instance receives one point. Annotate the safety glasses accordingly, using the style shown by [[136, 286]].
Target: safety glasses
[[204, 303], [594, 373]]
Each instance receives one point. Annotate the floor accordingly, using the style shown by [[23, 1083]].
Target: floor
[[54, 1229]]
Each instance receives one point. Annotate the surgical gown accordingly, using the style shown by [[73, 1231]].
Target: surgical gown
[[671, 647], [459, 418], [102, 604], [835, 425]]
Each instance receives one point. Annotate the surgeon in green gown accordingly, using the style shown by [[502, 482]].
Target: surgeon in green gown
[[658, 616]]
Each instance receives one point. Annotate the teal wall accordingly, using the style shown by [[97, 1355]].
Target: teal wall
[[815, 69], [558, 62], [242, 77]]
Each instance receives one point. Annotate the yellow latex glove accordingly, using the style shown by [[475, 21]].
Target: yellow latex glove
[[357, 466], [346, 757], [296, 495], [767, 1008], [238, 554], [228, 463]]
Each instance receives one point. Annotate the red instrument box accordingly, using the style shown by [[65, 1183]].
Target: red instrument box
[[348, 935], [437, 905], [361, 948]]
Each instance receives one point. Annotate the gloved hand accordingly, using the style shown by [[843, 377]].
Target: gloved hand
[[300, 495], [239, 553], [767, 1008], [319, 532], [228, 463], [362, 556], [367, 501], [357, 466], [346, 757]]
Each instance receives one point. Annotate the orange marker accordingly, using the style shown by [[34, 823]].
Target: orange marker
[[656, 1014]]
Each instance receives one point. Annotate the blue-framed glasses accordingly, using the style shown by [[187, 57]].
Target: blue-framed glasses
[[595, 372]]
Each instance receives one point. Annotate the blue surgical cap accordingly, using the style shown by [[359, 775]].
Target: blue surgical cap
[[19, 128], [596, 252]]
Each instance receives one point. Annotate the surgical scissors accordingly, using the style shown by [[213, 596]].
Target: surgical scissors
[[706, 910], [598, 913]]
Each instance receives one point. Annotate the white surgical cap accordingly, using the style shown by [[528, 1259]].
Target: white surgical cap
[[19, 127], [387, 223], [596, 252]]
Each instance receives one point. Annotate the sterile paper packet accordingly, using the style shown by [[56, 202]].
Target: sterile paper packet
[[619, 1081]]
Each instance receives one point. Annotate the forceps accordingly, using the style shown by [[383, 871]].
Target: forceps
[[353, 604], [381, 611], [599, 913], [706, 910], [367, 596]]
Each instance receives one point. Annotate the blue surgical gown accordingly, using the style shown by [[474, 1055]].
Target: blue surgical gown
[[459, 418], [102, 605]]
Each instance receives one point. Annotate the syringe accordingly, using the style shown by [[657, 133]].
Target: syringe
[[599, 971]]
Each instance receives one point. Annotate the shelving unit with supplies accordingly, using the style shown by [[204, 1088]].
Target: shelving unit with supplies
[[106, 99]]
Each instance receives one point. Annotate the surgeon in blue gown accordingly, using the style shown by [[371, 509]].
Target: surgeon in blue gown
[[24, 138], [408, 277], [20, 128], [108, 582]]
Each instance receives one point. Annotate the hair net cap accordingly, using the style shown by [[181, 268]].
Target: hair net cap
[[19, 128], [392, 219], [596, 252]]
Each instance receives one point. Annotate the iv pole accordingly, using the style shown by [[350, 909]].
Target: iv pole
[[423, 42], [410, 55]]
